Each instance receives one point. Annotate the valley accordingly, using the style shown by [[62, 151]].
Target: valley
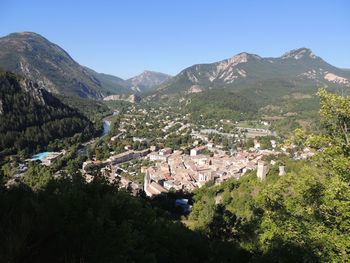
[[246, 158]]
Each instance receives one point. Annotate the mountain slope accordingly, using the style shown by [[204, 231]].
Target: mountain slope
[[111, 84], [147, 80], [298, 67], [31, 117], [36, 58]]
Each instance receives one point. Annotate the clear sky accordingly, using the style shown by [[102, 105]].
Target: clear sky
[[124, 38]]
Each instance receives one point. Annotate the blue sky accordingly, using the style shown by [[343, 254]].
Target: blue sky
[[124, 38]]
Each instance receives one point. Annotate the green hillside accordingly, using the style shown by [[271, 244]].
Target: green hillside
[[30, 117]]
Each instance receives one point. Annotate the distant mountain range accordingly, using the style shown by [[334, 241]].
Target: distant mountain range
[[299, 67], [260, 79], [248, 86], [36, 58], [147, 80]]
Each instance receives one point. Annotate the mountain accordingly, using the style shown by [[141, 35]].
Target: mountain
[[36, 58], [31, 117], [147, 80], [297, 68], [111, 84], [248, 86]]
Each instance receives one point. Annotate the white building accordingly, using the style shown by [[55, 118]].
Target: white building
[[198, 150], [152, 188], [157, 157]]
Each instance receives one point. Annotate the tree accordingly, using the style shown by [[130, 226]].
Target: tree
[[8, 170], [335, 115], [332, 146], [249, 143], [70, 220], [223, 224], [37, 176]]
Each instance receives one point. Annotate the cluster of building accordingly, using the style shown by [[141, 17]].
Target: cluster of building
[[179, 171], [126, 156], [176, 170], [117, 159]]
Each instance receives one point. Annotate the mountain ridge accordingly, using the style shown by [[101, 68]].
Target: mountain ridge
[[245, 69], [35, 57]]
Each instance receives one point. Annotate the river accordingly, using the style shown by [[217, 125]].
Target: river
[[106, 127], [107, 123]]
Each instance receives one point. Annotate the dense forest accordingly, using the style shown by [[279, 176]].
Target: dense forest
[[219, 104], [68, 220], [31, 117]]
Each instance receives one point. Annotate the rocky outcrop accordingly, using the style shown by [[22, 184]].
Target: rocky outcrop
[[195, 89], [34, 91], [337, 79], [147, 80], [133, 98]]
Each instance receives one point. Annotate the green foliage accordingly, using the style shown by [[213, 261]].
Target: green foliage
[[303, 214], [72, 221], [37, 176], [32, 118], [177, 141], [249, 143], [8, 170], [219, 104], [285, 126], [300, 205], [95, 110], [335, 114]]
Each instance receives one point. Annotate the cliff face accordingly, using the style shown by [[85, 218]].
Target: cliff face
[[13, 87], [129, 98]]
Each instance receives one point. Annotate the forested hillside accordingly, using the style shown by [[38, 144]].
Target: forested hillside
[[30, 117], [220, 104], [73, 221]]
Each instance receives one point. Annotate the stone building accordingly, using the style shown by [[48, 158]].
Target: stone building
[[262, 170]]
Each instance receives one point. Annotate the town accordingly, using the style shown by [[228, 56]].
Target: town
[[155, 150], [168, 152]]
